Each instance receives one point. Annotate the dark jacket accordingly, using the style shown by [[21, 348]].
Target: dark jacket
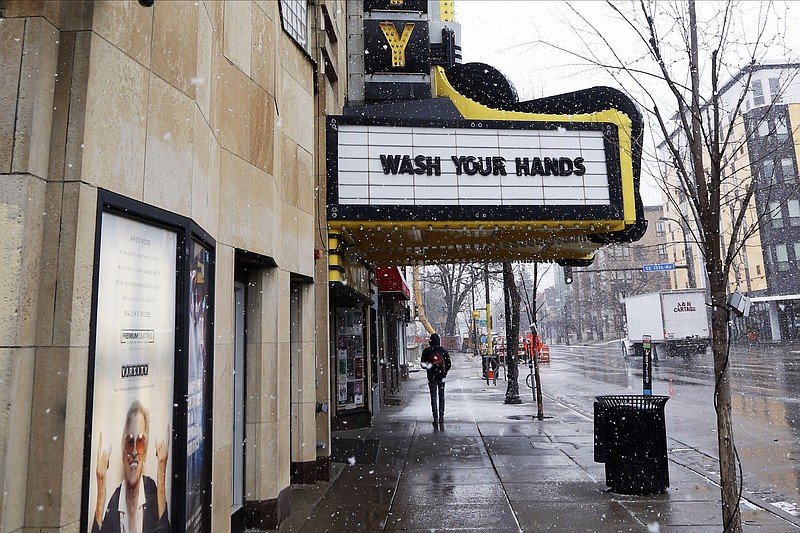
[[435, 374], [150, 521]]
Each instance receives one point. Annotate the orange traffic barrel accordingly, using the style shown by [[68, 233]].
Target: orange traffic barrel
[[544, 354]]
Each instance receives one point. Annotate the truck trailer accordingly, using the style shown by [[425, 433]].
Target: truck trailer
[[677, 322]]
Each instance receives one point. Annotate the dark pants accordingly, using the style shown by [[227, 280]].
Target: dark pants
[[437, 388]]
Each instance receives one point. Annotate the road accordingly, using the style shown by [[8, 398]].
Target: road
[[765, 401]]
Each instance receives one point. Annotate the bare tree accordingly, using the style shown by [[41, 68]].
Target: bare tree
[[455, 282], [699, 139]]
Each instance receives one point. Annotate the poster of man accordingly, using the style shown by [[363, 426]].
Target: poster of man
[[129, 482], [138, 504]]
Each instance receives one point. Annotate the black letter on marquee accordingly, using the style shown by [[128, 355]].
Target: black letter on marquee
[[390, 163], [419, 161], [523, 168], [536, 167], [550, 167], [485, 165], [580, 170], [499, 166], [564, 166], [405, 166], [435, 165], [470, 166], [458, 162]]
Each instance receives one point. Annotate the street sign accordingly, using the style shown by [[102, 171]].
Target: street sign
[[476, 314], [658, 267], [482, 323]]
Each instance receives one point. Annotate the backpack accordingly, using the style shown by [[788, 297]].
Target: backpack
[[437, 359]]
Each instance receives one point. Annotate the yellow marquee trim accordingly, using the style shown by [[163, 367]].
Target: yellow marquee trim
[[471, 109]]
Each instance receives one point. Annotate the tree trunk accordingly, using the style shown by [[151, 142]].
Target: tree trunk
[[512, 334], [708, 195], [731, 518]]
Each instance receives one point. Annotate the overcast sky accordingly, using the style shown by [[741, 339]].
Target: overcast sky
[[522, 39]]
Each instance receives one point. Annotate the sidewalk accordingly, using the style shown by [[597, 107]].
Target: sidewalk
[[492, 467]]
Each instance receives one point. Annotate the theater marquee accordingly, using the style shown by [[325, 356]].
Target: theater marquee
[[472, 170]]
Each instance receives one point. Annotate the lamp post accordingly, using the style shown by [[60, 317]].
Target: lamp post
[[687, 250]]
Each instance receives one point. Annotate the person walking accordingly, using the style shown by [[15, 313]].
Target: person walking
[[436, 361]]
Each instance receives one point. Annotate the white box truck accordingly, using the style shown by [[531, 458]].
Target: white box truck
[[677, 322]]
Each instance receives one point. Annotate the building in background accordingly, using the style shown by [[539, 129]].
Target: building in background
[[592, 304], [764, 148]]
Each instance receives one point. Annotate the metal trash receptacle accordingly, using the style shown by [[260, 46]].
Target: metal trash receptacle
[[599, 433], [632, 436]]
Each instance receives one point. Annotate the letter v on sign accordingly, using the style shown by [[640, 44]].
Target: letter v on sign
[[397, 42]]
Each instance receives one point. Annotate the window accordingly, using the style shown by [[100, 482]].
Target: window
[[758, 93], [238, 422], [294, 17], [794, 212], [298, 394], [758, 270], [787, 167], [626, 252], [775, 214], [780, 129], [774, 90], [768, 171], [763, 128], [660, 229], [662, 250], [781, 257], [796, 251]]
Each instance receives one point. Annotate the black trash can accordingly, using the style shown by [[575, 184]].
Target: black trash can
[[599, 433], [631, 438]]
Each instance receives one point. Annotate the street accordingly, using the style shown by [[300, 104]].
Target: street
[[765, 402]]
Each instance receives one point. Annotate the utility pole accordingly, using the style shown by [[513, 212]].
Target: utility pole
[[476, 339], [488, 316]]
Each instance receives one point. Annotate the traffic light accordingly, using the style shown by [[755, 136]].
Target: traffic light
[[567, 275]]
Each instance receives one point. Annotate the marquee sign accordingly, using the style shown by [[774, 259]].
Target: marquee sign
[[398, 169], [425, 168]]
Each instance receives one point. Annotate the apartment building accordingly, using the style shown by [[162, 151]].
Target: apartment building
[[763, 154]]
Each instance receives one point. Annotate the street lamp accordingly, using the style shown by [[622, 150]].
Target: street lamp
[[687, 249]]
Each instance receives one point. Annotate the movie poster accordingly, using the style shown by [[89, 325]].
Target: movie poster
[[133, 373], [350, 377], [197, 403]]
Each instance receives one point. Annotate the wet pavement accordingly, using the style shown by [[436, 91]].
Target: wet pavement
[[493, 467]]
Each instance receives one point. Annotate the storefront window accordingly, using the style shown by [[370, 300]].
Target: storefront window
[[350, 358]]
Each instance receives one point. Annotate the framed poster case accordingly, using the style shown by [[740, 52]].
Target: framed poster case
[[148, 424]]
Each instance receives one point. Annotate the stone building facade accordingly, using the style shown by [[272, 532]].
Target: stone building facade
[[202, 118]]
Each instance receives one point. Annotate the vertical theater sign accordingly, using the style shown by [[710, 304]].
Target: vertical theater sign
[[461, 170]]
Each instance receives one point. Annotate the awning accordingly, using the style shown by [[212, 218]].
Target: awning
[[391, 281], [342, 295], [777, 298]]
